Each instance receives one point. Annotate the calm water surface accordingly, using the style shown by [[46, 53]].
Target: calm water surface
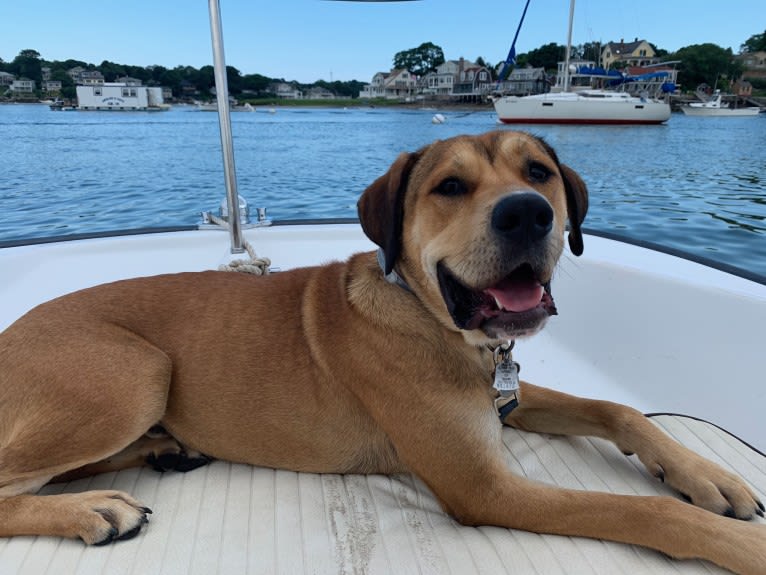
[[695, 184]]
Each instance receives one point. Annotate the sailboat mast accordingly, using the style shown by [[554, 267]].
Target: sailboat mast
[[568, 52]]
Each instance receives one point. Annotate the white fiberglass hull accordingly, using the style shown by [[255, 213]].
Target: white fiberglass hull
[[580, 108], [636, 326], [730, 112]]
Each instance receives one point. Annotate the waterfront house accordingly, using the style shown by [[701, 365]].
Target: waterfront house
[[285, 90], [400, 84], [523, 81], [91, 78], [376, 88], [119, 96], [85, 77], [319, 93], [754, 65], [461, 79], [636, 53], [75, 73], [6, 79], [472, 81], [742, 88], [393, 85], [442, 81], [23, 86], [52, 86]]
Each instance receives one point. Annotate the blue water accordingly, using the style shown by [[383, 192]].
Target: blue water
[[695, 184]]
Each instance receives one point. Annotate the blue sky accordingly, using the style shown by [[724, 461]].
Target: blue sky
[[308, 40]]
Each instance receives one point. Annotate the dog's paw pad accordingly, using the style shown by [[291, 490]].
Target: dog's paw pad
[[110, 516]]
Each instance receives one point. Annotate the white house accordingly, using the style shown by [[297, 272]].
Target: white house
[[91, 78], [52, 85], [376, 88], [119, 96], [393, 85], [6, 79], [460, 78], [286, 90], [319, 93], [400, 84], [23, 86]]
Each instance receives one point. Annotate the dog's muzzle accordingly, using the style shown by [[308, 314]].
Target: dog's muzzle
[[519, 303], [516, 306]]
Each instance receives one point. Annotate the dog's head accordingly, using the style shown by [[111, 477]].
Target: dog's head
[[475, 226]]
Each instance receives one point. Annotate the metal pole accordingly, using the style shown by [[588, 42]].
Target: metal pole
[[224, 119], [569, 46]]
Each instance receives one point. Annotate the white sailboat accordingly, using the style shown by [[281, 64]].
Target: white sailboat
[[580, 107]]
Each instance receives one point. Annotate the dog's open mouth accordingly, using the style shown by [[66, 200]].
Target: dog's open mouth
[[515, 306]]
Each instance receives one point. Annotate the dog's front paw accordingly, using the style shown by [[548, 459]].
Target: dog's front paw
[[706, 484], [100, 517]]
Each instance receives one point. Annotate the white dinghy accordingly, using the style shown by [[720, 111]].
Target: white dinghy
[[661, 333]]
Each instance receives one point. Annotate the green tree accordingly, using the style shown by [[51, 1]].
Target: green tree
[[705, 63], [756, 43], [234, 80], [658, 52], [421, 60], [255, 83], [27, 65], [111, 71], [203, 79], [588, 51], [547, 56]]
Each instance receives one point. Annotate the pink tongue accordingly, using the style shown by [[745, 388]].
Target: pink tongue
[[517, 296]]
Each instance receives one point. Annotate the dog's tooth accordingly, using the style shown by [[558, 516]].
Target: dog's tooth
[[497, 303]]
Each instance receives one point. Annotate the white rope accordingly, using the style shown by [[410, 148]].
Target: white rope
[[256, 265]]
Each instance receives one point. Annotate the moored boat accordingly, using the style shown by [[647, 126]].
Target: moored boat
[[582, 107], [566, 106], [716, 107]]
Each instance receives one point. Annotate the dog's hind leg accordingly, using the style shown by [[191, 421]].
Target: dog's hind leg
[[156, 449], [108, 387]]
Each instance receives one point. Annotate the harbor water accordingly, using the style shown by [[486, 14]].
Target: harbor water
[[696, 185]]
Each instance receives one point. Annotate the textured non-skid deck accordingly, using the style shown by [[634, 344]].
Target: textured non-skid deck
[[235, 519]]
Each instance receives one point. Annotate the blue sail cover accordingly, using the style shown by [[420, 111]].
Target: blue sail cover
[[510, 61], [596, 71]]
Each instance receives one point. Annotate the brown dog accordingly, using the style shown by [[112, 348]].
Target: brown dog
[[340, 370]]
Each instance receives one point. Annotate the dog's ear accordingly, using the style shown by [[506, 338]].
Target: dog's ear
[[381, 208], [577, 207]]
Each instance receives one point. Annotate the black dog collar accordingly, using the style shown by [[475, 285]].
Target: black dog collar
[[393, 277]]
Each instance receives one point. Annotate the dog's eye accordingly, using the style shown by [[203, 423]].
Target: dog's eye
[[538, 173], [451, 187]]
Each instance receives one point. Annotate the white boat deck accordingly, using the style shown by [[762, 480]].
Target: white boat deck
[[232, 519], [677, 338]]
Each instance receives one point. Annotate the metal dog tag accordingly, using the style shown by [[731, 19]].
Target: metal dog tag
[[506, 376]]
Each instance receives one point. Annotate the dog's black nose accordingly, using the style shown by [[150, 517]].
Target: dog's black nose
[[523, 217]]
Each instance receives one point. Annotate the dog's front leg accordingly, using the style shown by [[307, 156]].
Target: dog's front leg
[[461, 460], [698, 479]]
